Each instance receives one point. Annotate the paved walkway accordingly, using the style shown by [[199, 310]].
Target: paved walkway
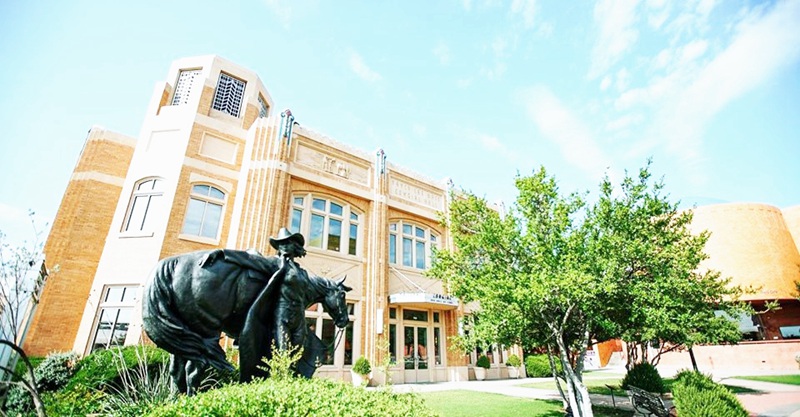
[[774, 400]]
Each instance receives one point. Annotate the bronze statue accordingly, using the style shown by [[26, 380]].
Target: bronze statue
[[191, 298]]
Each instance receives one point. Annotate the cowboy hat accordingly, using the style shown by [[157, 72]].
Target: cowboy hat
[[284, 235]]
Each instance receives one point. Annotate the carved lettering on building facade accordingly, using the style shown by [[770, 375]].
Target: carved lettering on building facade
[[415, 194]]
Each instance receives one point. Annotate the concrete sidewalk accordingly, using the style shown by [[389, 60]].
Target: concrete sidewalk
[[773, 400]]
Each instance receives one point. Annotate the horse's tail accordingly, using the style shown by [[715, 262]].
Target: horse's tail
[[163, 324]]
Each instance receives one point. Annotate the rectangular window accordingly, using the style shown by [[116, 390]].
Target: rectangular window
[[393, 342], [328, 336], [263, 107], [437, 346], [315, 235], [336, 209], [351, 249], [187, 80], [334, 234], [392, 249], [318, 204], [348, 344], [297, 217], [228, 97], [114, 317], [420, 254], [407, 247], [415, 315]]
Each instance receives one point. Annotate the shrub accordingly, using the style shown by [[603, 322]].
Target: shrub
[[55, 371], [538, 366], [362, 366], [695, 394], [483, 362], [296, 397], [101, 367], [645, 376], [513, 360], [140, 389]]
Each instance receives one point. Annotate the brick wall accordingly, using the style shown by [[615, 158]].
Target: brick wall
[[77, 238]]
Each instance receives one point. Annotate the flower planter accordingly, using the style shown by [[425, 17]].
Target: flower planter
[[360, 380], [513, 372], [480, 373]]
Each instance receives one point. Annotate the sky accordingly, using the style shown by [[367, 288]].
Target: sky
[[476, 91]]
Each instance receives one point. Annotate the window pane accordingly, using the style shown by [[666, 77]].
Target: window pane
[[121, 329], [328, 335], [422, 347], [353, 217], [334, 235], [433, 238], [315, 235], [353, 239], [392, 249], [184, 85], [311, 322], [348, 344], [211, 220], [114, 294], [336, 209], [146, 185], [392, 313], [408, 349], [407, 248], [217, 193], [415, 315], [318, 204], [297, 217], [104, 325], [393, 227], [437, 346], [419, 232], [393, 342], [407, 229], [130, 295], [228, 97], [435, 317], [138, 213], [298, 201], [420, 255], [200, 189]]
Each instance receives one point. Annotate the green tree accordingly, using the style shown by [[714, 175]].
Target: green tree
[[657, 293], [558, 274]]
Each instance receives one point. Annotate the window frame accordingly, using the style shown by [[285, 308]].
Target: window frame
[[124, 303], [302, 214], [397, 244], [182, 92], [146, 228], [340, 359], [206, 200], [229, 100]]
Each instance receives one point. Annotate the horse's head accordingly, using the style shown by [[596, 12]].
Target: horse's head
[[335, 303]]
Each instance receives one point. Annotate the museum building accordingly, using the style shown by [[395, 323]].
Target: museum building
[[215, 165]]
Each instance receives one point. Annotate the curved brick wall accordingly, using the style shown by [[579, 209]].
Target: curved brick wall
[[792, 217], [752, 244]]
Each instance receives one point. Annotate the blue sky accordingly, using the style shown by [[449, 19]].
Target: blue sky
[[477, 91]]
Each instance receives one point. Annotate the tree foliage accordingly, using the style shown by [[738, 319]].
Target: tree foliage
[[557, 273]]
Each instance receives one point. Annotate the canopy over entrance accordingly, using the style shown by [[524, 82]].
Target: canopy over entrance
[[424, 300]]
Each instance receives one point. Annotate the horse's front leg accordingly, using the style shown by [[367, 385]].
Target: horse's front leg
[[177, 373], [194, 376]]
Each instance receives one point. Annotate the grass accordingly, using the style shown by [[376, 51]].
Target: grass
[[475, 404], [779, 379], [598, 385]]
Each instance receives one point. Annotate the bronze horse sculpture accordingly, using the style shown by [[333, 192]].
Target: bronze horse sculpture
[[189, 300]]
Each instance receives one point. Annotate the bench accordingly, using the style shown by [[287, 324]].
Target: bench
[[647, 403]]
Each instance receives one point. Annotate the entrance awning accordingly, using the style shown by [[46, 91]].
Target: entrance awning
[[424, 300]]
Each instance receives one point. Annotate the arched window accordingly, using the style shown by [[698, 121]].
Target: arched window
[[204, 214], [325, 223], [411, 245], [146, 196]]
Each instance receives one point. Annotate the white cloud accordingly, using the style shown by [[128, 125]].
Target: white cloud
[[605, 83], [361, 69], [527, 9], [282, 10], [442, 52], [623, 122], [559, 125], [760, 49], [419, 130], [616, 21]]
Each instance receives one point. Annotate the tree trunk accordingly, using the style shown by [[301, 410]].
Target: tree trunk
[[578, 395]]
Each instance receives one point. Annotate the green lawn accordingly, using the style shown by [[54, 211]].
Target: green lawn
[[780, 379], [479, 404], [598, 386]]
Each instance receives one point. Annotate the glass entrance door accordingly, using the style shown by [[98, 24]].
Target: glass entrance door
[[415, 354]]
